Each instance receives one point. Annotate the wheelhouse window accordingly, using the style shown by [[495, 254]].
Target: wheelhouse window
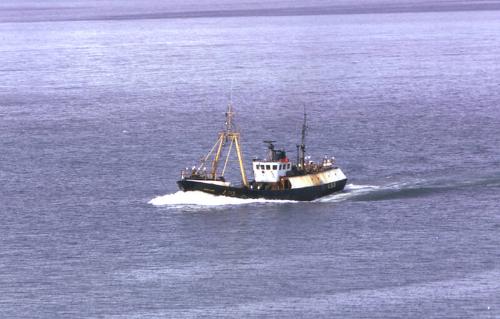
[[268, 167], [275, 167], [288, 165]]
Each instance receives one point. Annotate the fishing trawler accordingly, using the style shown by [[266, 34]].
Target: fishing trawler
[[275, 177]]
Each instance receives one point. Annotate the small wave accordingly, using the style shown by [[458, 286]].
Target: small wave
[[354, 187], [398, 190], [197, 198], [350, 191], [415, 188]]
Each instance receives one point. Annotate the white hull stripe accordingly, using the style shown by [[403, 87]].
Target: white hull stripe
[[330, 176], [205, 181]]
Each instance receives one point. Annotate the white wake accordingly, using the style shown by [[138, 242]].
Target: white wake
[[197, 198]]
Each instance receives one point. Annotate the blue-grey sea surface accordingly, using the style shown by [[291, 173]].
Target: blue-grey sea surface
[[99, 115]]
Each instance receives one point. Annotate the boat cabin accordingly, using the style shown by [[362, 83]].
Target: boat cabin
[[275, 166], [270, 172]]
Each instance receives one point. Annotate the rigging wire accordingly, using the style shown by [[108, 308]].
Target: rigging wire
[[227, 157], [204, 160]]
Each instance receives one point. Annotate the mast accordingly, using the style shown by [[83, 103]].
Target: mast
[[229, 117], [229, 134], [301, 149]]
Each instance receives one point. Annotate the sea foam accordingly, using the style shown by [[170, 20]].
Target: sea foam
[[196, 198]]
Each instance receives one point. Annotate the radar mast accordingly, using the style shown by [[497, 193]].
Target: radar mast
[[301, 149]]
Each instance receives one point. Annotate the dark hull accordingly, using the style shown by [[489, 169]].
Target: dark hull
[[297, 194]]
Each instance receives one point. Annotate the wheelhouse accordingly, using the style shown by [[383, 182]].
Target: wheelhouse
[[270, 172]]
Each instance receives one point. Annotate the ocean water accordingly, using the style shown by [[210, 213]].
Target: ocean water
[[98, 117]]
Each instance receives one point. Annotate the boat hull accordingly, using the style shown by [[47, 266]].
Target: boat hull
[[297, 194]]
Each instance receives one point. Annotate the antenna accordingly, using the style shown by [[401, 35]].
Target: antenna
[[229, 113], [301, 149], [229, 117], [231, 93], [304, 129]]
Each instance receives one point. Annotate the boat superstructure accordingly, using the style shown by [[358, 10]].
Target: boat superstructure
[[275, 176]]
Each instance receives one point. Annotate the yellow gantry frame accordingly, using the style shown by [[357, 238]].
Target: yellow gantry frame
[[234, 137], [221, 142]]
